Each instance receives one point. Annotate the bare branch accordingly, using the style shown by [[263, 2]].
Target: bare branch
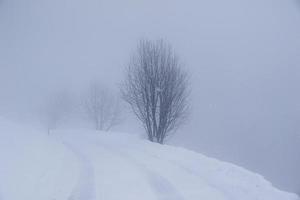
[[101, 107]]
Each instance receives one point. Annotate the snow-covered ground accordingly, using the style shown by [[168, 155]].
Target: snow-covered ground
[[88, 165]]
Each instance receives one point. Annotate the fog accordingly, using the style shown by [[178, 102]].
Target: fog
[[242, 56]]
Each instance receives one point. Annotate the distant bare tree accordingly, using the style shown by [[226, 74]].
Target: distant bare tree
[[58, 107], [101, 107], [156, 89]]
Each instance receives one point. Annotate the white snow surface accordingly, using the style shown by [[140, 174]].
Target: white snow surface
[[90, 165]]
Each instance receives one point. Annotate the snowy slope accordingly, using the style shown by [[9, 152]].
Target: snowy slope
[[34, 166], [87, 165]]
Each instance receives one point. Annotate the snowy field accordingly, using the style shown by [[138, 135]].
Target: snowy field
[[88, 165]]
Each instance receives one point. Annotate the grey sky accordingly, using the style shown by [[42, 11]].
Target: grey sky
[[243, 57]]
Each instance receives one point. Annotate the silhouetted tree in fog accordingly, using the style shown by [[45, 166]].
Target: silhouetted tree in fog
[[101, 107], [156, 88]]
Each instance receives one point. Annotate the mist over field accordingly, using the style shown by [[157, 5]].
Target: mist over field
[[242, 57]]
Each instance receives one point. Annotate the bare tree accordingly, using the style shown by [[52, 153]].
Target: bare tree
[[101, 107], [156, 89]]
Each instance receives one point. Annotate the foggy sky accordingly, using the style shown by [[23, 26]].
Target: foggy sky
[[243, 58]]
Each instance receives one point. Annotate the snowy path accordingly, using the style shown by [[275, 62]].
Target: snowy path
[[162, 188], [91, 165], [85, 188], [165, 177], [107, 167], [107, 164], [114, 167], [163, 161]]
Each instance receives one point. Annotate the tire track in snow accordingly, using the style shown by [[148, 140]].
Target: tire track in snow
[[182, 167], [85, 186], [208, 182], [163, 188], [190, 171]]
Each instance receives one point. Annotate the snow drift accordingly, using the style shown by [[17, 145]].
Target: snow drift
[[88, 165]]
